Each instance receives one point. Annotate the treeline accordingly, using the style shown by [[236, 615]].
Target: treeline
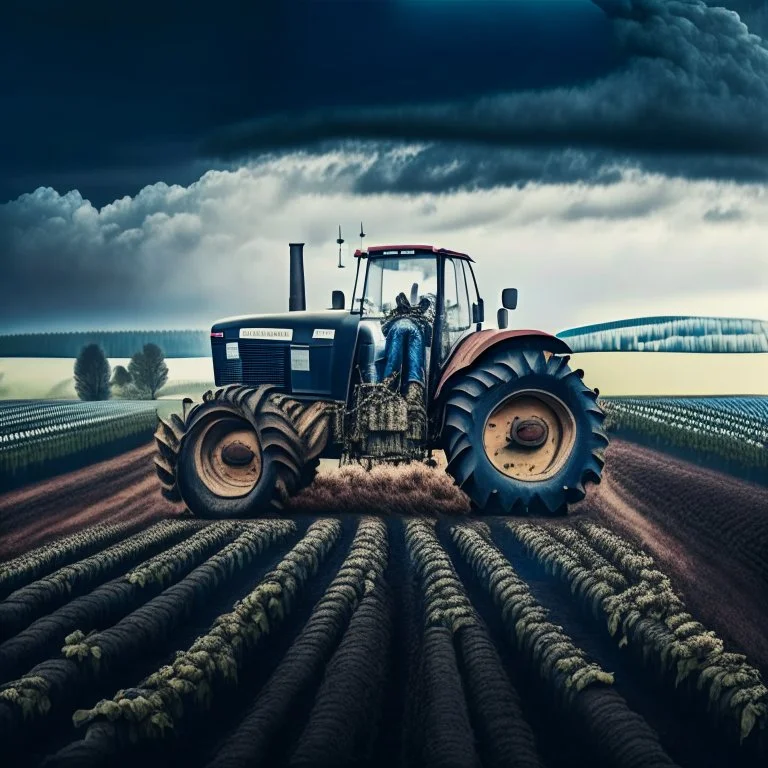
[[114, 343], [671, 334]]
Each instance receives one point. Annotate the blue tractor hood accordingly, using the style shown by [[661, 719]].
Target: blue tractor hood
[[302, 323], [308, 354]]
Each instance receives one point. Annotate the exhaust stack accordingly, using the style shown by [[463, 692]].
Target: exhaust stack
[[297, 300]]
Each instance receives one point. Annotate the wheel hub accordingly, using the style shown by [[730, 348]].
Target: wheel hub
[[529, 435], [228, 457], [237, 454]]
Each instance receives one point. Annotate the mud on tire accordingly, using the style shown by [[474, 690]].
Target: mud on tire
[[272, 460], [498, 378]]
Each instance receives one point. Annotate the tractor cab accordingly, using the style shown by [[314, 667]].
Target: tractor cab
[[421, 272]]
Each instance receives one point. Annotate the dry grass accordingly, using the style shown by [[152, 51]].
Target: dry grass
[[409, 490]]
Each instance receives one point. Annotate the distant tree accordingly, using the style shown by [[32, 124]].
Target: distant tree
[[92, 374], [121, 377], [123, 386], [132, 392], [148, 369]]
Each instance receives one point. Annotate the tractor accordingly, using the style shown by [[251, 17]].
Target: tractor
[[521, 432]]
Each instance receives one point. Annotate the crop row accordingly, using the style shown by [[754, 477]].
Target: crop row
[[457, 651], [89, 657], [579, 689], [753, 407], [158, 702], [79, 438], [110, 602], [740, 440], [350, 609], [366, 641], [21, 417], [42, 560], [745, 418], [689, 414], [27, 603], [622, 586]]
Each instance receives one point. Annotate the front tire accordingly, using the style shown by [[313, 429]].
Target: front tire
[[238, 454], [522, 433]]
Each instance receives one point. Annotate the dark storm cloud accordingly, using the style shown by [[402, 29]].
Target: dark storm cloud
[[109, 97], [695, 86], [450, 167], [104, 102], [754, 13]]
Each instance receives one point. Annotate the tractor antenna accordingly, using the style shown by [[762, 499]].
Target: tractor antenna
[[340, 240], [362, 235]]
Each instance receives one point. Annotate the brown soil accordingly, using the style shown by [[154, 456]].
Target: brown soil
[[384, 490], [118, 490], [721, 587]]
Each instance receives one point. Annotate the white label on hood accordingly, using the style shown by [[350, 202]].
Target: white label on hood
[[274, 334], [324, 333], [299, 359], [233, 353]]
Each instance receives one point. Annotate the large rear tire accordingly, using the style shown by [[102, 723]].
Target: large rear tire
[[523, 434], [239, 453]]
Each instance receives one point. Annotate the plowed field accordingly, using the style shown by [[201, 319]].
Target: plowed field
[[379, 625]]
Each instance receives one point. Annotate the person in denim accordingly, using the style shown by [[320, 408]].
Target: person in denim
[[408, 331]]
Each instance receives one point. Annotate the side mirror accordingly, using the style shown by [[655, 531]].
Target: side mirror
[[337, 300], [478, 311], [509, 298], [502, 318]]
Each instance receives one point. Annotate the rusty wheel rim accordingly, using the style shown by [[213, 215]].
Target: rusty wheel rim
[[227, 457], [529, 435]]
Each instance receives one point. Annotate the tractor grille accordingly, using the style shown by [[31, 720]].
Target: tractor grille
[[265, 363], [228, 372], [260, 362]]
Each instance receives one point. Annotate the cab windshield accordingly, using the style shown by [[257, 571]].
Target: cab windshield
[[415, 276]]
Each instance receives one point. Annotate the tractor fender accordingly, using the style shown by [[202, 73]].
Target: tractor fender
[[480, 342]]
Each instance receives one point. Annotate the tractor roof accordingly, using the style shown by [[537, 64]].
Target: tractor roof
[[409, 250]]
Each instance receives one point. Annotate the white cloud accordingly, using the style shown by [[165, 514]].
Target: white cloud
[[185, 256]]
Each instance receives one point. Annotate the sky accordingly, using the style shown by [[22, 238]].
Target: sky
[[609, 158]]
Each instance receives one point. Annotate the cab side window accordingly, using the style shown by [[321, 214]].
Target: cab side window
[[457, 315]]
